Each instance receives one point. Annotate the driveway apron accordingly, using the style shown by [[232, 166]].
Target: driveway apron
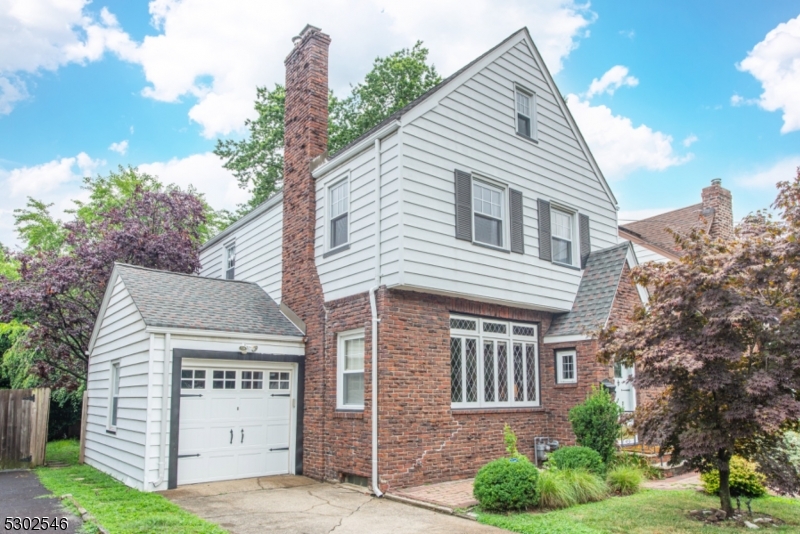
[[23, 496]]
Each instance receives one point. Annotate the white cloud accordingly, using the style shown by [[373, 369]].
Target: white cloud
[[630, 34], [120, 148], [205, 173], [766, 177], [775, 62], [46, 177], [689, 141], [613, 79], [619, 147], [738, 100], [12, 90]]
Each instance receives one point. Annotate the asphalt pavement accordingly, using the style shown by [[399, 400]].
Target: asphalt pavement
[[23, 498]]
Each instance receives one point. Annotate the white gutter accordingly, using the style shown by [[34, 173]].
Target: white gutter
[[162, 453], [374, 308]]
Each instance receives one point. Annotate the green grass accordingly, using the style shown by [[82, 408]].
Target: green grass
[[648, 512], [115, 506]]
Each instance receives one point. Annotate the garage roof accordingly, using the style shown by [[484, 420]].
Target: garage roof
[[175, 300]]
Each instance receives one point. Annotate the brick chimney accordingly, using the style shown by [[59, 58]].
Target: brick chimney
[[720, 200], [305, 137]]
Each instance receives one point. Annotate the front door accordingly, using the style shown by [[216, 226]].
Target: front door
[[235, 421], [625, 392]]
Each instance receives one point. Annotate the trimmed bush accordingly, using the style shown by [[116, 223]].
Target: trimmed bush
[[577, 458], [562, 488], [507, 484], [744, 480], [624, 480], [596, 423]]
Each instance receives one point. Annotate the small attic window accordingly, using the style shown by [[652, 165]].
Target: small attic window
[[230, 261], [526, 113]]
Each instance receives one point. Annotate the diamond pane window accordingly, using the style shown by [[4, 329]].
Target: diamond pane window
[[527, 331], [488, 371], [463, 324], [456, 380], [495, 328], [472, 370], [530, 371], [502, 371], [519, 374]]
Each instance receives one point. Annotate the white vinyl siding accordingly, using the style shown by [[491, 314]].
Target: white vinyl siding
[[473, 130], [122, 340], [258, 252]]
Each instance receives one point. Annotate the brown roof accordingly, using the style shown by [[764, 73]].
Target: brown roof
[[652, 232]]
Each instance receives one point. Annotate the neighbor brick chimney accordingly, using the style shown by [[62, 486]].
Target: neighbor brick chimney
[[720, 200], [306, 137]]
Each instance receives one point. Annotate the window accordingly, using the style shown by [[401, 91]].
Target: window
[[279, 380], [230, 261], [338, 214], [488, 205], [350, 383], [223, 380], [566, 367], [493, 363], [114, 405], [562, 236], [253, 379], [193, 379], [525, 114]]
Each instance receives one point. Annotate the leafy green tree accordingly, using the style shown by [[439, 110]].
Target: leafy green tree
[[393, 82]]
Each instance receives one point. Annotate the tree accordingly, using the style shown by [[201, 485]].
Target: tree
[[393, 82], [720, 341], [59, 291]]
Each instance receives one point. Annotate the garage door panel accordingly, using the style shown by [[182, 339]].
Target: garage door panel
[[253, 408], [278, 434], [278, 406], [223, 407]]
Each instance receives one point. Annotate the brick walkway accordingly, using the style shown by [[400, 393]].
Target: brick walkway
[[680, 482], [455, 494]]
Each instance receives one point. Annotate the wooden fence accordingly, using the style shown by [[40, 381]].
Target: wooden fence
[[24, 415]]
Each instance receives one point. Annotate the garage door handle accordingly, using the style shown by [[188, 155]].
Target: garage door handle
[[280, 449], [188, 395], [231, 435], [242, 436], [188, 455], [281, 395]]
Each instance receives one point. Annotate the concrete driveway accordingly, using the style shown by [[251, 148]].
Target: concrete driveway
[[300, 505]]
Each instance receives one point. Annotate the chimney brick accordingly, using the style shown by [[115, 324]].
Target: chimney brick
[[720, 200]]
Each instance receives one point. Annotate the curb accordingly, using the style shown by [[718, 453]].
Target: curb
[[86, 517], [429, 506]]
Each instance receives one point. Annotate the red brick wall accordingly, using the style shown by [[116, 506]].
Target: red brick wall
[[719, 198]]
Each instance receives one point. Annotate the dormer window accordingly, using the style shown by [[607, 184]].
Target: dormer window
[[525, 114], [230, 261], [338, 212], [563, 236]]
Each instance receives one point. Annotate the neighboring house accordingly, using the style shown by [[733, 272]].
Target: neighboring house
[[445, 269], [653, 240]]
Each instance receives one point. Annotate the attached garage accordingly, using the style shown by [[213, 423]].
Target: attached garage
[[230, 403]]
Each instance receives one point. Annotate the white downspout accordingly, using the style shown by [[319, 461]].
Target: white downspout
[[374, 308], [162, 453]]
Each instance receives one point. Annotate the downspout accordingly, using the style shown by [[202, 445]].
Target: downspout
[[374, 308], [162, 443]]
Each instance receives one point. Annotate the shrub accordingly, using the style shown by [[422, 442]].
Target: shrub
[[577, 458], [744, 480], [630, 459], [562, 488], [507, 484], [510, 439], [624, 480], [596, 423]]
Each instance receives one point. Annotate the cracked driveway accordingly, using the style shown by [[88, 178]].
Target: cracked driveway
[[300, 505]]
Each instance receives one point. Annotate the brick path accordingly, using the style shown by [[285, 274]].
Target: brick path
[[686, 481], [454, 494]]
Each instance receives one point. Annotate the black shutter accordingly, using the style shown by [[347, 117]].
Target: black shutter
[[586, 244], [545, 242], [463, 205], [517, 237]]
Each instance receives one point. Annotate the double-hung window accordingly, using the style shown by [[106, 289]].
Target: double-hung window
[[350, 380], [114, 393], [566, 366], [488, 203], [563, 236], [493, 363], [525, 114], [230, 261], [338, 214]]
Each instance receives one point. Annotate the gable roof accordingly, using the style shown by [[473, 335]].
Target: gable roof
[[652, 232], [596, 293], [173, 300]]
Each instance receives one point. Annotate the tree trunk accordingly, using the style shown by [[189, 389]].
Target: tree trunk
[[725, 503]]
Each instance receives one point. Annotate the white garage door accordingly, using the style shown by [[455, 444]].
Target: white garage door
[[235, 421]]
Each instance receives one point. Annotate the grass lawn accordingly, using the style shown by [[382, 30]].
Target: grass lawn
[[648, 512], [116, 507]]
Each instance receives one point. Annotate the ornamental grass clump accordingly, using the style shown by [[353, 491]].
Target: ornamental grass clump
[[577, 458], [624, 480], [562, 488]]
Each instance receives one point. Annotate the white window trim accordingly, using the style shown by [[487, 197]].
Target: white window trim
[[573, 215], [510, 338], [225, 248], [534, 123], [115, 364], [560, 366], [505, 221], [341, 338], [327, 199]]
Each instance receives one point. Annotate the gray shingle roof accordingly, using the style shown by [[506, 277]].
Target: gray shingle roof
[[194, 302], [596, 293]]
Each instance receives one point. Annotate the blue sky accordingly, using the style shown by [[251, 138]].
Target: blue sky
[[668, 95]]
